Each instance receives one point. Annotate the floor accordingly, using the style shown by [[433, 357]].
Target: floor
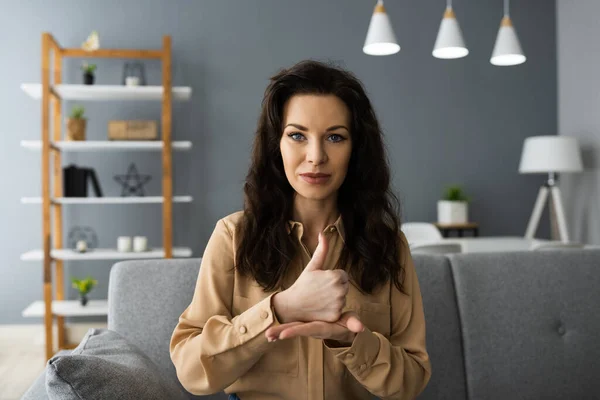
[[22, 359]]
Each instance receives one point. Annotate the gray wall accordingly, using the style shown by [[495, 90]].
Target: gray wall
[[578, 54], [445, 121]]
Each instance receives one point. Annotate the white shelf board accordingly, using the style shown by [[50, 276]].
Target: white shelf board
[[68, 308], [104, 254], [107, 92], [108, 145], [108, 200]]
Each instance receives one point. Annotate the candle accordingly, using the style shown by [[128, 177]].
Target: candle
[[140, 243], [124, 243]]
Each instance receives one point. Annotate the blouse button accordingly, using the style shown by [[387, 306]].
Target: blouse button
[[243, 329], [349, 355], [363, 367], [264, 315], [332, 229]]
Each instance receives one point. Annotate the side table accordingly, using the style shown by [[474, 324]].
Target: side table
[[445, 229]]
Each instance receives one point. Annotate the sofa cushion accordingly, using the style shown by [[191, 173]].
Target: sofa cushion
[[106, 366], [444, 341], [530, 323], [141, 291]]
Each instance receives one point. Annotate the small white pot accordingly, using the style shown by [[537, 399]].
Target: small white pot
[[452, 212], [124, 243], [140, 243]]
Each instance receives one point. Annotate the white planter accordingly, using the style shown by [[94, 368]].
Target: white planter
[[452, 212]]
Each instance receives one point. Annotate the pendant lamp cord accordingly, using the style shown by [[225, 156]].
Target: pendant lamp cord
[[506, 10], [448, 3]]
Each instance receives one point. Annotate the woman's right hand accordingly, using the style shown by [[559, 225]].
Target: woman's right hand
[[317, 294]]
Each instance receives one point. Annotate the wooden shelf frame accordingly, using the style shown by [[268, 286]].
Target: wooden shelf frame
[[52, 56]]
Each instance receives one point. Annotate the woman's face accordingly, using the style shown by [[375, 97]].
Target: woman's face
[[316, 144]]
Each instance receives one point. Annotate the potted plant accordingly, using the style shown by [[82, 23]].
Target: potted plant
[[88, 73], [84, 286], [76, 124], [453, 208]]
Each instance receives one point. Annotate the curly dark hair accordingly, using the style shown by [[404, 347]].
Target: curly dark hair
[[370, 211]]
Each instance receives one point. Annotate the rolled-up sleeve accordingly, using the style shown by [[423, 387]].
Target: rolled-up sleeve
[[398, 368], [210, 347]]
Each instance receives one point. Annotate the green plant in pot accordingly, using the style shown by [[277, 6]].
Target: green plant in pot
[[76, 124], [453, 207], [88, 73], [84, 286]]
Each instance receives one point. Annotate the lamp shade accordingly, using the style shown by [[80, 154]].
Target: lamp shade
[[449, 42], [550, 154], [380, 40], [507, 50]]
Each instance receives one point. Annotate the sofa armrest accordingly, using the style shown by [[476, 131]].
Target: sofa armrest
[[37, 390]]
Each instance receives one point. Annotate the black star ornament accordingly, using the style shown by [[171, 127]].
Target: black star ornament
[[132, 183]]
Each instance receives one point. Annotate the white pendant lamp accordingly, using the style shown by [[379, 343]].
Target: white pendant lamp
[[449, 43], [381, 40], [507, 50]]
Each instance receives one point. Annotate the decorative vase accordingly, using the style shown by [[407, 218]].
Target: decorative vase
[[88, 78], [452, 212], [76, 128], [83, 299]]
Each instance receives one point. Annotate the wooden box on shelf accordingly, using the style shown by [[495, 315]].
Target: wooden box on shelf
[[132, 130]]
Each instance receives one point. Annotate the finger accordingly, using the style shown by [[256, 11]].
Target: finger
[[318, 258], [275, 331], [346, 287], [344, 278], [314, 329], [350, 320], [355, 325]]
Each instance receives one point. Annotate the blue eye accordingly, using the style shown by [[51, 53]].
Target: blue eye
[[295, 136], [338, 138]]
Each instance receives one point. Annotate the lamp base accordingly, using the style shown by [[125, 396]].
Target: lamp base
[[557, 205]]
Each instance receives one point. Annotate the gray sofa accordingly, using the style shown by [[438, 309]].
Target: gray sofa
[[520, 325]]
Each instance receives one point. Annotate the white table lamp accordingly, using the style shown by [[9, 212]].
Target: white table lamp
[[551, 155]]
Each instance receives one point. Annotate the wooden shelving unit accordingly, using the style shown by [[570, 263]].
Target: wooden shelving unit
[[51, 92]]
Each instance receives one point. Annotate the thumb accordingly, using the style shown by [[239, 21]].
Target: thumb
[[350, 320], [318, 258]]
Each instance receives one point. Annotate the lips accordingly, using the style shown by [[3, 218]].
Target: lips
[[315, 178], [317, 175]]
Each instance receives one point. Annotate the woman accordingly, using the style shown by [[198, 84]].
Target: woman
[[310, 292]]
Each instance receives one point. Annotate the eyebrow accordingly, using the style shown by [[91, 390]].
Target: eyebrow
[[331, 128]]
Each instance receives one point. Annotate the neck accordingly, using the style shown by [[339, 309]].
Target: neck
[[315, 215]]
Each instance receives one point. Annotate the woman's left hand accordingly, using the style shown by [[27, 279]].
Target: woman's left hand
[[343, 330]]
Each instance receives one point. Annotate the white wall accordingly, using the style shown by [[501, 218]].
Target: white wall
[[578, 70]]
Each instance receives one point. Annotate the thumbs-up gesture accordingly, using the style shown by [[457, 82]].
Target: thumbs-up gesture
[[317, 294]]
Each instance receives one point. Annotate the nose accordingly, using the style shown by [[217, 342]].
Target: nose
[[316, 154]]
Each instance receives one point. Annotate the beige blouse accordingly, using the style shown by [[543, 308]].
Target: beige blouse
[[219, 342]]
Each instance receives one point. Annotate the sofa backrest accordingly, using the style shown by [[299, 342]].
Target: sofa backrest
[[516, 325], [145, 300], [530, 323]]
